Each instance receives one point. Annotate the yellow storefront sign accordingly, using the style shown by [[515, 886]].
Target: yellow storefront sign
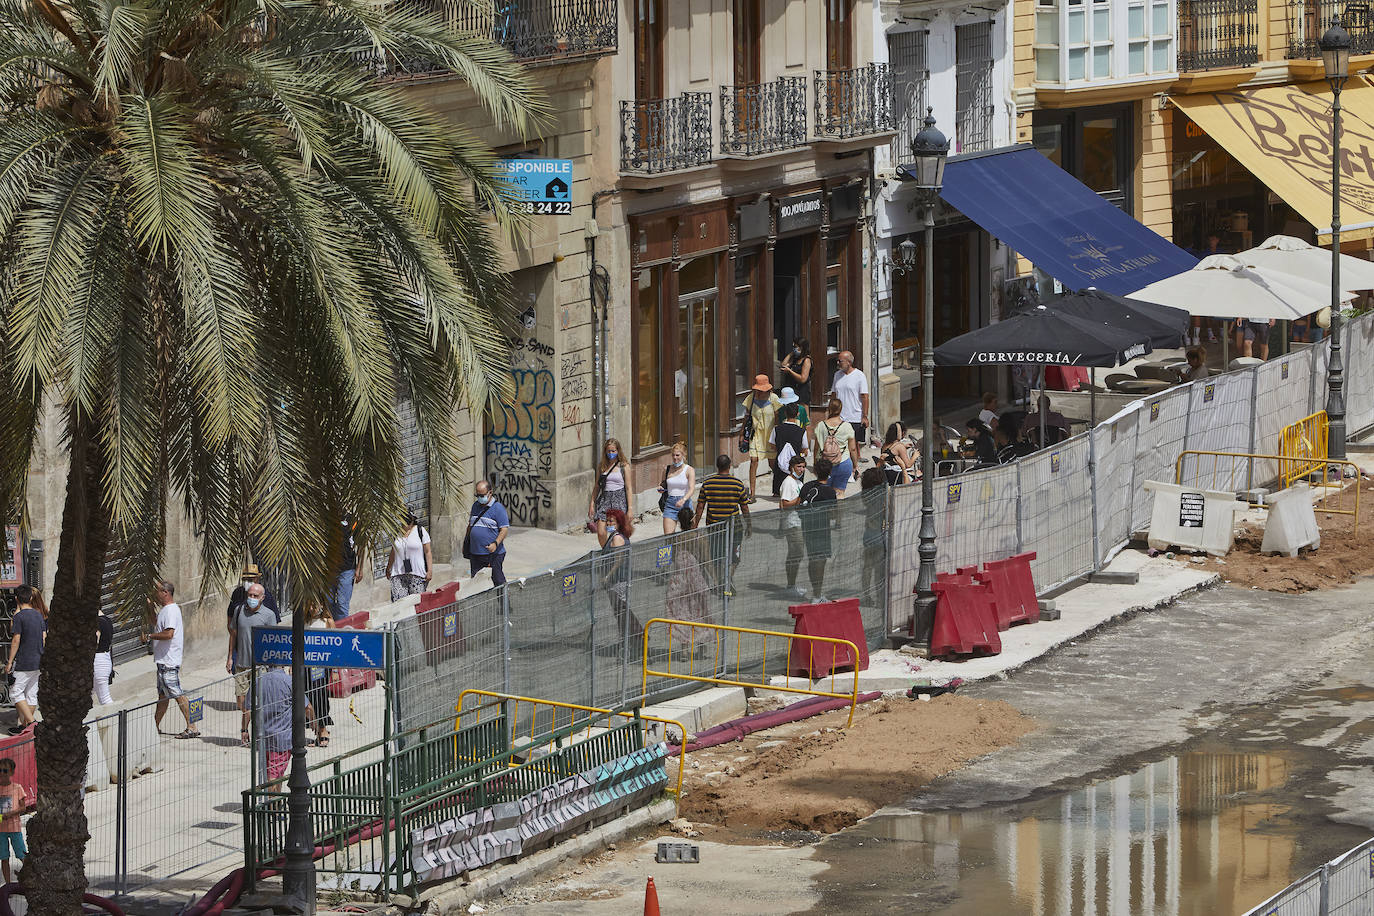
[[1283, 135]]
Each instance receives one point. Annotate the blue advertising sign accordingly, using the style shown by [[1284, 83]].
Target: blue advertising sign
[[544, 185], [323, 648]]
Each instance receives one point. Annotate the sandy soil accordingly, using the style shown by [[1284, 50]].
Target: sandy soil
[[1346, 552], [815, 775]]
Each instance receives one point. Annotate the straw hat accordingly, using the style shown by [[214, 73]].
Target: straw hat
[[250, 571]]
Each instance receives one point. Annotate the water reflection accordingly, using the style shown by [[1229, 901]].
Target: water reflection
[[1179, 836]]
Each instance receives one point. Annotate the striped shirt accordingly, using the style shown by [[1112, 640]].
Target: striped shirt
[[724, 496]]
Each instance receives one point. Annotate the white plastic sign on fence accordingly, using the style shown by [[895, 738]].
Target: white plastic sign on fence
[[1192, 519]]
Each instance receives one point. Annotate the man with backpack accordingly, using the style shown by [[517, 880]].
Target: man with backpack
[[816, 501]]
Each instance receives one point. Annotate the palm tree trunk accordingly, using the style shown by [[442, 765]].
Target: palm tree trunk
[[54, 876]]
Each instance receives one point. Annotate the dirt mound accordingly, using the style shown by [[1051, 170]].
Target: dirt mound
[[1346, 552], [815, 775]]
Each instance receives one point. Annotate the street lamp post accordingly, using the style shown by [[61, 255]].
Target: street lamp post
[[1335, 46], [298, 872], [929, 148]]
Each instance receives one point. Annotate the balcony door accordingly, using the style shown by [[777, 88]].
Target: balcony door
[[748, 71], [839, 34], [649, 48]]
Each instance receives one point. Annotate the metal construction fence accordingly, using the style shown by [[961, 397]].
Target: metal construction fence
[[574, 634], [165, 815], [1342, 887]]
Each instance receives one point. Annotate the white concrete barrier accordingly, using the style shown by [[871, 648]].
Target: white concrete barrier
[[1192, 519], [1292, 522]]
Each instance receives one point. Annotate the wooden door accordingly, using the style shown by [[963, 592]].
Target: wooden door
[[839, 35]]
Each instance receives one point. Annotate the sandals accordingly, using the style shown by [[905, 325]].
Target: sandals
[[245, 739], [189, 733], [322, 742]]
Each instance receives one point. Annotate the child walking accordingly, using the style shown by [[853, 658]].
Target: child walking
[[14, 800]]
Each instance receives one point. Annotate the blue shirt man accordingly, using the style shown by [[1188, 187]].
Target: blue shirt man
[[488, 525]]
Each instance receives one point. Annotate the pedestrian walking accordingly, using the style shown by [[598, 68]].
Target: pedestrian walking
[[851, 387], [836, 443], [796, 371], [679, 483], [317, 680], [104, 664], [615, 573], [14, 801], [789, 441], [410, 565], [792, 524], [249, 615], [351, 564], [818, 517], [249, 575], [723, 497], [169, 637], [28, 635], [875, 505], [272, 706], [760, 412], [612, 488], [484, 544]]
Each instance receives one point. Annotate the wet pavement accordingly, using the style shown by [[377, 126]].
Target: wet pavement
[[1191, 760]]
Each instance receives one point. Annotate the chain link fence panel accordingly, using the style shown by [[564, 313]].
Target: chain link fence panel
[[1161, 431], [1113, 449], [1057, 511]]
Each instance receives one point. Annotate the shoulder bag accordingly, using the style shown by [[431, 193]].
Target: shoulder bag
[[467, 535]]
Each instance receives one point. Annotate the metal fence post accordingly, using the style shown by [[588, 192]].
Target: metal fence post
[[1324, 891], [122, 807], [1092, 492], [250, 871], [628, 580], [1020, 541], [505, 639], [388, 789], [592, 698], [1254, 422]]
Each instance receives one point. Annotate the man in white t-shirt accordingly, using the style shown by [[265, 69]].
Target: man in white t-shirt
[[851, 387], [169, 638], [791, 521]]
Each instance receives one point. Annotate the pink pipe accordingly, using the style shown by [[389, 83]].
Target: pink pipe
[[736, 729]]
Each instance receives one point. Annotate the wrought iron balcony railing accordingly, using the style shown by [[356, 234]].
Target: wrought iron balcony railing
[[1214, 34], [853, 103], [664, 135], [529, 29], [763, 117], [1307, 19]]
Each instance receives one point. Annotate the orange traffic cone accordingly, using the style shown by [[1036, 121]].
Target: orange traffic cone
[[651, 899]]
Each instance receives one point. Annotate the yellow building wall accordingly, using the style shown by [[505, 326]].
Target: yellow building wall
[[1153, 186]]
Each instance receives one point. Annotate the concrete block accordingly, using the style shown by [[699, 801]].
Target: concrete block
[[678, 853], [1050, 613], [699, 711], [1047, 604], [1108, 577]]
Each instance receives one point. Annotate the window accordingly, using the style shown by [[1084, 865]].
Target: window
[[1091, 144], [973, 86], [741, 338], [648, 359], [1092, 40], [906, 54]]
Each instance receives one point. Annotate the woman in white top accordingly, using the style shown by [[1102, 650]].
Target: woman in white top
[[679, 483], [411, 561], [611, 488]]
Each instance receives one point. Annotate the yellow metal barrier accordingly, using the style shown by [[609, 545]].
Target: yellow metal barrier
[[720, 659], [1303, 446], [1223, 482], [573, 709]]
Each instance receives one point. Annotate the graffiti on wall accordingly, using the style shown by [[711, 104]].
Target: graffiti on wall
[[520, 446]]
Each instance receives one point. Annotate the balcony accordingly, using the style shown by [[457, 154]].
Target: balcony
[[1307, 19], [531, 30], [1217, 34], [853, 103], [665, 135], [763, 118]]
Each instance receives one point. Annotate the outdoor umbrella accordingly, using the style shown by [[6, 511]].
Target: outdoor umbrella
[[1221, 286], [1295, 257], [1042, 336]]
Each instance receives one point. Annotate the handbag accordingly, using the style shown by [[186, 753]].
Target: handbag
[[663, 496], [746, 430], [467, 535]]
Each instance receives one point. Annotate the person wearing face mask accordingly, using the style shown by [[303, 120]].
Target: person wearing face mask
[[796, 371], [679, 483], [791, 522], [253, 612], [250, 575], [488, 524], [410, 565], [350, 569], [611, 488]]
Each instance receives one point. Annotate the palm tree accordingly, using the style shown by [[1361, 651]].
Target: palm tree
[[226, 247]]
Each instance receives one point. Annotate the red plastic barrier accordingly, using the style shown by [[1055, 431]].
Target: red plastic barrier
[[835, 620], [347, 680], [438, 597], [441, 626], [1015, 588], [19, 748], [1005, 604], [965, 621]]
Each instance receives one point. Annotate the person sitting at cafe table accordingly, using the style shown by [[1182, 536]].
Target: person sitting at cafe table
[[1056, 427], [980, 444], [1197, 365]]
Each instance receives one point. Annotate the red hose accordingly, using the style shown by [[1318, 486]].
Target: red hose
[[736, 729], [100, 903]]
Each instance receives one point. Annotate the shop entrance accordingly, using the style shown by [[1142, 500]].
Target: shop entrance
[[789, 293], [694, 381]]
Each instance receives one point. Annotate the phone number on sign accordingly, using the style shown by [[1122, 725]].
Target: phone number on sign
[[549, 207]]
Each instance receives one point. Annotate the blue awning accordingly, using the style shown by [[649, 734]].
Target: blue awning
[[1054, 220]]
